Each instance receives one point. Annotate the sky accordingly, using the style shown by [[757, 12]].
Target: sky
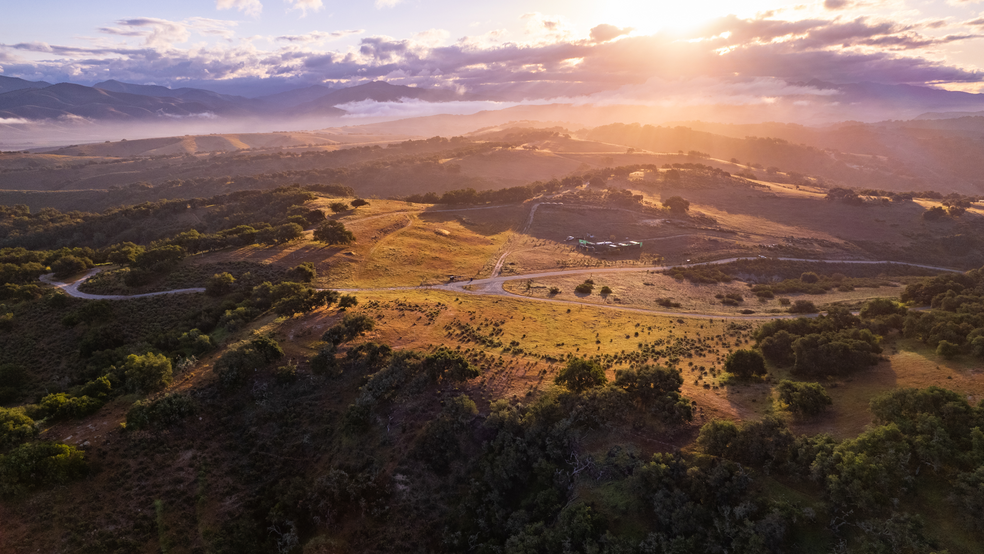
[[506, 50]]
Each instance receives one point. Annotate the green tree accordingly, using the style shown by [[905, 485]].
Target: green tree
[[358, 202], [337, 207], [803, 398], [220, 284], [449, 364], [581, 374], [947, 349], [67, 266], [148, 373], [333, 232], [745, 364]]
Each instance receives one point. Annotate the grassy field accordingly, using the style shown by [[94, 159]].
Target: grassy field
[[645, 289]]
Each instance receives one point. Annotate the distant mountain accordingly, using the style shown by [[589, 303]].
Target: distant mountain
[[378, 91], [66, 99], [8, 84], [295, 97]]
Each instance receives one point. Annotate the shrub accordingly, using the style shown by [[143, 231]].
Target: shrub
[[160, 413], [15, 428], [677, 204], [303, 273], [69, 265], [148, 373], [236, 364], [333, 232], [554, 290], [40, 464], [784, 301], [337, 207], [351, 326], [584, 288], [581, 374], [809, 277], [449, 364], [947, 349], [358, 202], [606, 290], [803, 307], [745, 364], [803, 398], [63, 406], [220, 284]]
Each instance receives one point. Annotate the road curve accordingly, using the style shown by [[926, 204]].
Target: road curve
[[72, 289]]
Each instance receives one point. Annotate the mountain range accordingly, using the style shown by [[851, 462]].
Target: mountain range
[[116, 101]]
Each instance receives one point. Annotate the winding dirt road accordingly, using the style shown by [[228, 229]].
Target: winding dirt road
[[493, 286]]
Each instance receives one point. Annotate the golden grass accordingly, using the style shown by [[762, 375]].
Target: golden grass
[[642, 289]]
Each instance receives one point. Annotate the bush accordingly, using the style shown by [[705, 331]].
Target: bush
[[449, 364], [67, 266], [333, 232], [581, 374], [358, 202], [745, 364], [303, 273], [809, 277], [351, 326], [677, 204], [40, 464], [803, 307], [947, 349], [15, 428], [606, 290], [220, 284], [584, 288], [148, 373], [160, 413], [803, 398], [62, 406]]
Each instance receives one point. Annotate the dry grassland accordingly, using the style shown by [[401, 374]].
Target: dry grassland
[[644, 289]]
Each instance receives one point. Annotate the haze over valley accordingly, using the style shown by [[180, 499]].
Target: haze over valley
[[624, 277]]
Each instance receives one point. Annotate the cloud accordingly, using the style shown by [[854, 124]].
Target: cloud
[[252, 8], [544, 28], [606, 32], [156, 32], [14, 121], [837, 4], [417, 108], [547, 61], [305, 5], [319, 36], [380, 4]]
